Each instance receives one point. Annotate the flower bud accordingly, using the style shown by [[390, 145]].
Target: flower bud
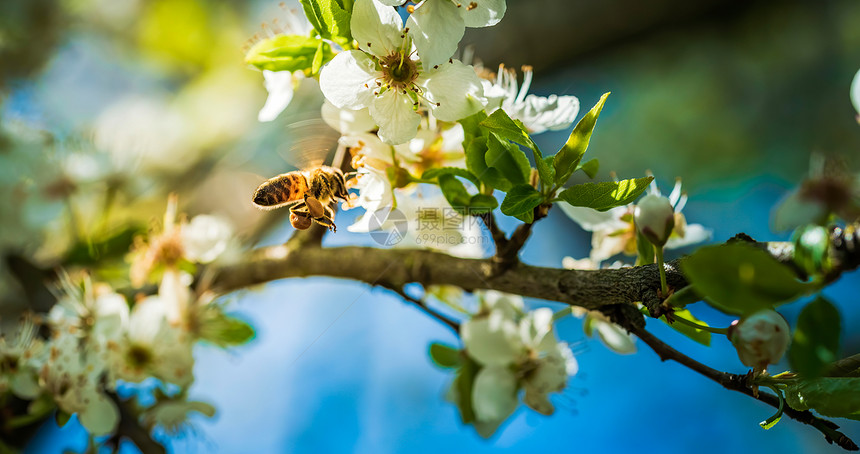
[[760, 339], [655, 218]]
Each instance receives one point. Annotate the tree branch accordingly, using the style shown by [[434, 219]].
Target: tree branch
[[591, 289], [426, 309], [739, 383]]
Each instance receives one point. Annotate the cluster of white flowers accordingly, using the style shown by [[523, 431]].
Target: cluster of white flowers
[[516, 351], [396, 98], [99, 340]]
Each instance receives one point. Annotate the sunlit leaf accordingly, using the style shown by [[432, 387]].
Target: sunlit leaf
[[567, 159], [605, 195]]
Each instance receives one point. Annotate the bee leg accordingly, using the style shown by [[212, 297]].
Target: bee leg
[[315, 208], [327, 219], [300, 218]]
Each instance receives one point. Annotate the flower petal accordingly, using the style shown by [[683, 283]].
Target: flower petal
[[551, 113], [347, 121], [436, 28], [592, 220], [491, 340], [494, 395], [396, 117], [486, 14], [100, 416], [615, 337], [347, 81], [279, 84], [376, 27], [693, 233], [453, 90]]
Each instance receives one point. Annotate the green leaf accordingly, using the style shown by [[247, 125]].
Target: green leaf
[[741, 279], [816, 338], [605, 195], [223, 330], [830, 396], [476, 163], [113, 245], [513, 130], [472, 127], [567, 159], [521, 200], [701, 336], [318, 58], [461, 389], [432, 174], [288, 53], [500, 123], [314, 14], [590, 167], [482, 203], [445, 356], [509, 159], [454, 191], [330, 18], [544, 167]]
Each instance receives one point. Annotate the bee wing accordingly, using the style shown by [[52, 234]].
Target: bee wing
[[312, 143]]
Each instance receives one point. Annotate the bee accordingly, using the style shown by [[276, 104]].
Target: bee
[[310, 194]]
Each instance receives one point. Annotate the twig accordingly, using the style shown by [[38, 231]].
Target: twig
[[738, 383], [490, 222], [424, 307]]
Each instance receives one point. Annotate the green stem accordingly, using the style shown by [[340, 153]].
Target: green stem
[[663, 286], [770, 422], [709, 329]]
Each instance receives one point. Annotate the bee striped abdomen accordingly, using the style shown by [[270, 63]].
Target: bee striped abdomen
[[281, 190]]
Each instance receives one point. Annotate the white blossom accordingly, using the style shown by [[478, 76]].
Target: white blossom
[[72, 376], [205, 238], [538, 113], [281, 85], [386, 77], [153, 347], [516, 351], [437, 26], [21, 356], [347, 121]]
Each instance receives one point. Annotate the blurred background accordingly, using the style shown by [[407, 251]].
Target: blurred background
[[106, 106]]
